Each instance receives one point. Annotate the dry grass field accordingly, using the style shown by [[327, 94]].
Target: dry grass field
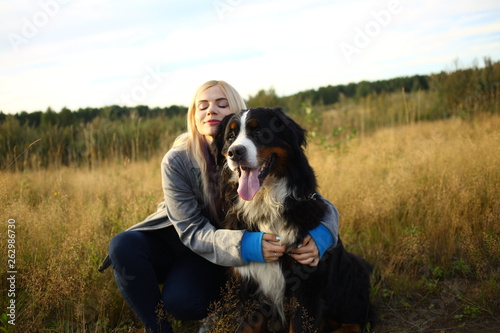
[[421, 202]]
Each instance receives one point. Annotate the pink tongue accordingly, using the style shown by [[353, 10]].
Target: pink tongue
[[248, 184]]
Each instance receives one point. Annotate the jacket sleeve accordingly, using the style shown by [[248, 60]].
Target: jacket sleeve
[[184, 209], [331, 222]]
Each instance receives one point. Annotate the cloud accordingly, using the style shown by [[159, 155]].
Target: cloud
[[92, 52]]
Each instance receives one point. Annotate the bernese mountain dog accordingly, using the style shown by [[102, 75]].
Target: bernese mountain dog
[[268, 185]]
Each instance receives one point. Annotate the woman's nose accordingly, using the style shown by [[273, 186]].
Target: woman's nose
[[211, 109]]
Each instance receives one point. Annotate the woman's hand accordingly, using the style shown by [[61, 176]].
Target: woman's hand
[[270, 248], [307, 253]]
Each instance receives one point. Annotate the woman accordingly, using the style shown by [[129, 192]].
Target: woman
[[180, 246]]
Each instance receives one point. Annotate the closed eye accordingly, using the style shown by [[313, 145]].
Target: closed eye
[[202, 105]]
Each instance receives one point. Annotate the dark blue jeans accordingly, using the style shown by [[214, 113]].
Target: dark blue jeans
[[142, 261]]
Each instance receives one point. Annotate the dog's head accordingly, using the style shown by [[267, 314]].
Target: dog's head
[[258, 144]]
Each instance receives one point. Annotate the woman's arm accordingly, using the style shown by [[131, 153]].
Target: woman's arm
[[184, 209], [327, 233], [184, 204]]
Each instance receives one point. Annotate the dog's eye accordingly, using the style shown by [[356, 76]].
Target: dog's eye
[[231, 136]]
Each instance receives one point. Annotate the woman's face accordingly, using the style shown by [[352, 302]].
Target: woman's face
[[211, 107]]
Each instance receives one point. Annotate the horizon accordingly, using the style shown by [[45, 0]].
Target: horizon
[[64, 53], [246, 99]]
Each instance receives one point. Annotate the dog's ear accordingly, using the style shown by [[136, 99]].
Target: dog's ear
[[299, 133], [218, 142]]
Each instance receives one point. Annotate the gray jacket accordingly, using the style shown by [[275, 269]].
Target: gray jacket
[[183, 208]]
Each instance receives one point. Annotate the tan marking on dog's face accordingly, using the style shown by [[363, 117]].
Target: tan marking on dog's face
[[253, 123]]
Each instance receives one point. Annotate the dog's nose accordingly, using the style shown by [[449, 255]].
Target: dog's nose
[[236, 153]]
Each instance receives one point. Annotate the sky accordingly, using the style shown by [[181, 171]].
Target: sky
[[93, 53]]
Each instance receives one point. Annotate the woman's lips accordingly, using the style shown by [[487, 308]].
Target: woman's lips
[[212, 122]]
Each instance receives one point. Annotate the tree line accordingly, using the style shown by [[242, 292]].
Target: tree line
[[89, 137], [454, 88], [332, 94], [66, 117]]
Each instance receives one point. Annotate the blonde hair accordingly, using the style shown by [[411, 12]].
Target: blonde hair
[[197, 145]]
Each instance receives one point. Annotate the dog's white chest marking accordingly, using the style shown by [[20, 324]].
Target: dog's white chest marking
[[265, 213], [269, 278]]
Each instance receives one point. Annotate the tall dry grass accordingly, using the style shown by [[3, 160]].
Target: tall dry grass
[[414, 200], [376, 111], [421, 199], [65, 219]]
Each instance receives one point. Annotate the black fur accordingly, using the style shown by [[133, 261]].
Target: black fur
[[337, 291]]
